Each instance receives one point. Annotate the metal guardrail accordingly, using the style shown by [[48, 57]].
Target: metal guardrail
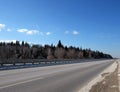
[[33, 61], [43, 61]]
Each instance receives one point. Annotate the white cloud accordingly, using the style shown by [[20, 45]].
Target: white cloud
[[48, 33], [29, 32], [35, 31], [32, 32], [2, 26], [7, 41], [75, 32], [9, 30], [66, 32], [22, 30]]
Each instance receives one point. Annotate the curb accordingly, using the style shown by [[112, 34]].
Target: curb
[[99, 77]]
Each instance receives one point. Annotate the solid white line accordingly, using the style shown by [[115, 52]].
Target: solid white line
[[22, 82]]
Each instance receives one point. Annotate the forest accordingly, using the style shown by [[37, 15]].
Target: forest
[[24, 50]]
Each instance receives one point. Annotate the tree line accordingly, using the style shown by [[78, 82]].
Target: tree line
[[26, 51]]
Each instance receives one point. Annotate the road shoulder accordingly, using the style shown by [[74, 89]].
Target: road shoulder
[[105, 78], [119, 73]]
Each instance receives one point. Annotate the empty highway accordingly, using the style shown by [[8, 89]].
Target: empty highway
[[58, 78]]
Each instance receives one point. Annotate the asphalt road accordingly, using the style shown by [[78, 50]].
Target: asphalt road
[[59, 78]]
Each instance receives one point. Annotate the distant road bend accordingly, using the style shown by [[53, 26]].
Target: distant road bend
[[59, 78]]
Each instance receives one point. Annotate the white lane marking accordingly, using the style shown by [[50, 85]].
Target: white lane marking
[[22, 82]]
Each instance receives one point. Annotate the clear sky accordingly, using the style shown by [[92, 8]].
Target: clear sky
[[91, 24]]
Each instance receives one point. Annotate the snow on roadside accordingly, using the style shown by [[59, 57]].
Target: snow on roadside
[[99, 78], [119, 73]]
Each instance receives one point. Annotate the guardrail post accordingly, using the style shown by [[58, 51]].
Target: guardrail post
[[13, 64], [32, 63], [2, 64], [24, 63]]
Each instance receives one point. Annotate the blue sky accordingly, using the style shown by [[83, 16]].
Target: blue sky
[[91, 24]]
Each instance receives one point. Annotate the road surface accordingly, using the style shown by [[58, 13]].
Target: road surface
[[59, 78]]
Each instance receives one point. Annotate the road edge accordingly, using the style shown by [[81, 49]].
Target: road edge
[[119, 73], [99, 77]]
